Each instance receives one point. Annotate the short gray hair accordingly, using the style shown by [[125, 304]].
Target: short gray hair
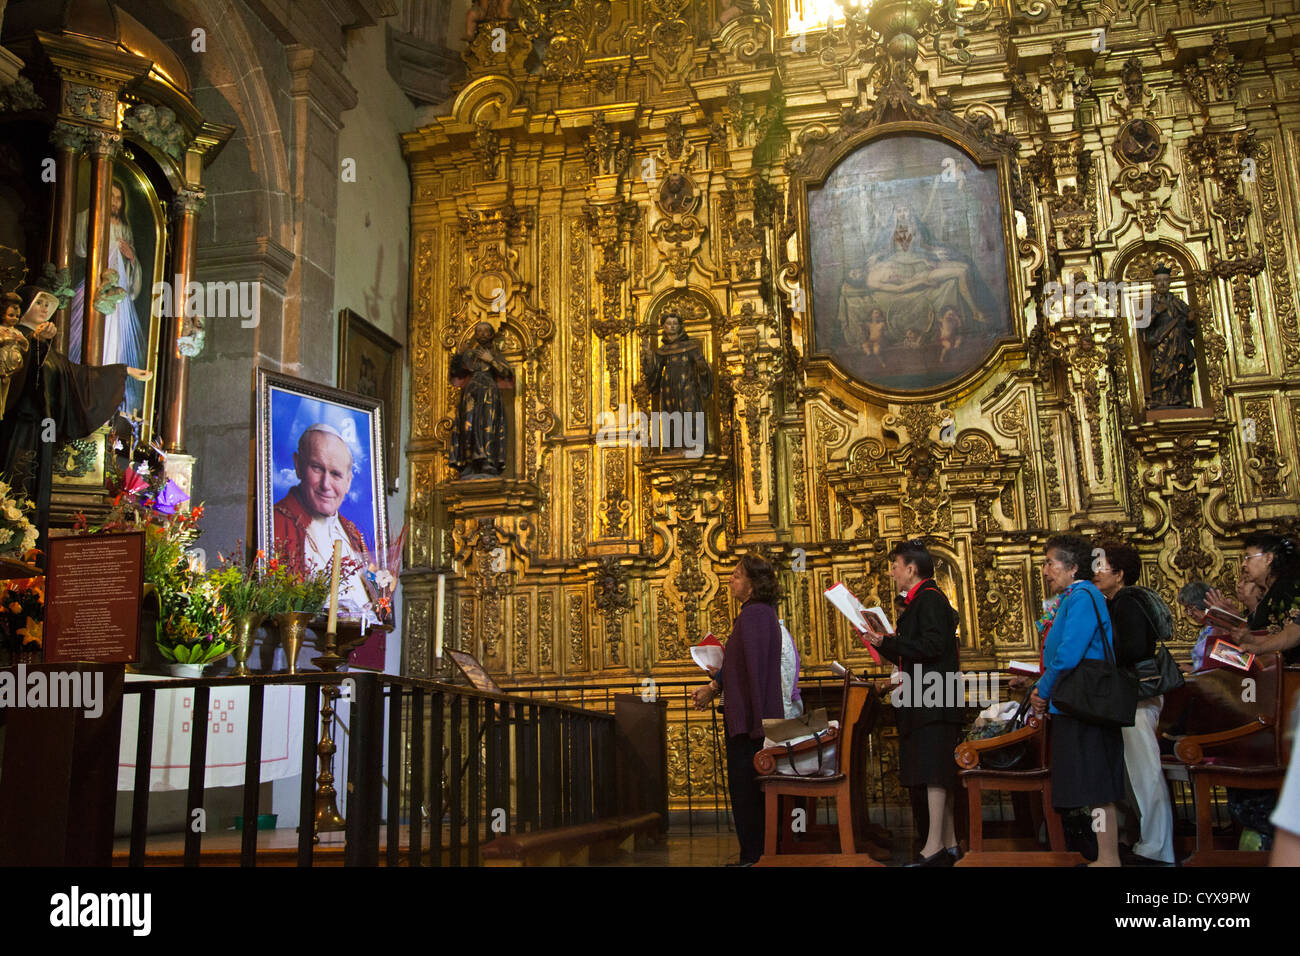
[[1193, 594]]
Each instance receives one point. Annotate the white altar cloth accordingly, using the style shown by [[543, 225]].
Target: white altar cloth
[[227, 735]]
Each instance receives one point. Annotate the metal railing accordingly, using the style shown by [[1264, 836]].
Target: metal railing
[[462, 766]]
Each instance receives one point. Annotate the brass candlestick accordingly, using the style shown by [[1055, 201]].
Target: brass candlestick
[[328, 818]]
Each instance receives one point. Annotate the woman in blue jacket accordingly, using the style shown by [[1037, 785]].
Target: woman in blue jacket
[[1087, 759]]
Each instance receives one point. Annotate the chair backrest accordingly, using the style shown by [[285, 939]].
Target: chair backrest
[[1223, 698]]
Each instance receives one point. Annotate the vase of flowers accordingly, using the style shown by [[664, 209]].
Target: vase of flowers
[[244, 592], [292, 599], [195, 628]]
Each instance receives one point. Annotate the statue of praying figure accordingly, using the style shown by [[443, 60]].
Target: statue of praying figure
[[678, 376], [1170, 347], [478, 441]]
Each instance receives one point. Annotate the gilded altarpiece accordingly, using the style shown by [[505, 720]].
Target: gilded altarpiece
[[597, 170]]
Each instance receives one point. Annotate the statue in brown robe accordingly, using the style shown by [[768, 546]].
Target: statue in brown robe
[[1170, 347], [478, 440]]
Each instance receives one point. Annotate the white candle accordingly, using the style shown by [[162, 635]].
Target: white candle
[[334, 588], [442, 597]]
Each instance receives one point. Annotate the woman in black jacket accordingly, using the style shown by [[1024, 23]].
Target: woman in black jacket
[[1139, 618], [924, 646]]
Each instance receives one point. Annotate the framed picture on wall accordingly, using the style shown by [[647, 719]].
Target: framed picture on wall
[[370, 364], [137, 243], [320, 477]]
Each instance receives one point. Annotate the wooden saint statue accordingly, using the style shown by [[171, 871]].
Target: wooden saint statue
[[50, 400], [1170, 347], [478, 441], [678, 376]]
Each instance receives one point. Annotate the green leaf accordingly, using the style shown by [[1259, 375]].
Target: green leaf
[[167, 653]]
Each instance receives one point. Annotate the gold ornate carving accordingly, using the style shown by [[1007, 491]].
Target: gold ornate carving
[[577, 632], [545, 632]]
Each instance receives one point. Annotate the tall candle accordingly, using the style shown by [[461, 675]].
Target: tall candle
[[334, 588], [442, 597]]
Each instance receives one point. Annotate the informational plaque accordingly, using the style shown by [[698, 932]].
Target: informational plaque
[[93, 586]]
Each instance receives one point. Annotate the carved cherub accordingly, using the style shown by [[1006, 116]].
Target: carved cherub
[[481, 10]]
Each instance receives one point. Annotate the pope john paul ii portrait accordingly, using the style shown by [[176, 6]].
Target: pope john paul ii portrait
[[909, 272]]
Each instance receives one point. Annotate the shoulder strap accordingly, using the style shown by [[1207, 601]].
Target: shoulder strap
[[1109, 651]]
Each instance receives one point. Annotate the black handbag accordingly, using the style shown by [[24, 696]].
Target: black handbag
[[1157, 675], [1098, 691], [1007, 758]]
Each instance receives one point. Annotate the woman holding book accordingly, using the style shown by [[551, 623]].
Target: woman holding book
[[1272, 562], [751, 679], [1087, 759], [924, 643]]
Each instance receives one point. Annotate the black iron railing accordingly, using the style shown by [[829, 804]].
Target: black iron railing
[[462, 766]]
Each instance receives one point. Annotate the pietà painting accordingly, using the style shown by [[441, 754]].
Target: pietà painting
[[909, 271]]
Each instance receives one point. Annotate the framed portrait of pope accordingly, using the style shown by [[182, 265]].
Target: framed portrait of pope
[[909, 262], [320, 478]]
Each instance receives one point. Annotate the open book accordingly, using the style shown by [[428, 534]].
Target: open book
[[1224, 618], [862, 618]]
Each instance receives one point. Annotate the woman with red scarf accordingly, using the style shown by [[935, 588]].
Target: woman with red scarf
[[925, 643]]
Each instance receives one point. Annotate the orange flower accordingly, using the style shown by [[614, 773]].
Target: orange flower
[[261, 555]]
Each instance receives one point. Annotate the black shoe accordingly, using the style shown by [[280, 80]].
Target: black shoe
[[941, 858], [956, 853]]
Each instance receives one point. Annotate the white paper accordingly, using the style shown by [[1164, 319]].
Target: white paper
[[1022, 668], [847, 604], [707, 655]]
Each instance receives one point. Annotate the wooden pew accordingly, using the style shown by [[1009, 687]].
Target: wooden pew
[[836, 786], [1225, 737], [1034, 775], [576, 845]]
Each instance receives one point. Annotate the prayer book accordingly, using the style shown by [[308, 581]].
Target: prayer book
[[847, 604]]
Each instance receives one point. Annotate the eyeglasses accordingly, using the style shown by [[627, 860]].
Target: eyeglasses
[[1257, 554]]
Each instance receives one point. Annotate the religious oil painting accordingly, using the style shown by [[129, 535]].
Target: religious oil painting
[[320, 478], [136, 248], [909, 270], [370, 364]]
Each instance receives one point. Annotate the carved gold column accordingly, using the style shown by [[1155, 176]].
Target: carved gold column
[[176, 367], [67, 140], [104, 147]]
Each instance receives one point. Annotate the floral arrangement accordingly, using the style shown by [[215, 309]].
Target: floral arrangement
[[242, 586], [194, 627], [287, 590], [381, 574], [17, 532], [22, 610]]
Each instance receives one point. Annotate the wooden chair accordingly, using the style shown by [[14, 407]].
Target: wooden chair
[[1033, 776], [1244, 738], [836, 787]]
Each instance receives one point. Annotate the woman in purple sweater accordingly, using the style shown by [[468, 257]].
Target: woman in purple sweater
[[751, 679]]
